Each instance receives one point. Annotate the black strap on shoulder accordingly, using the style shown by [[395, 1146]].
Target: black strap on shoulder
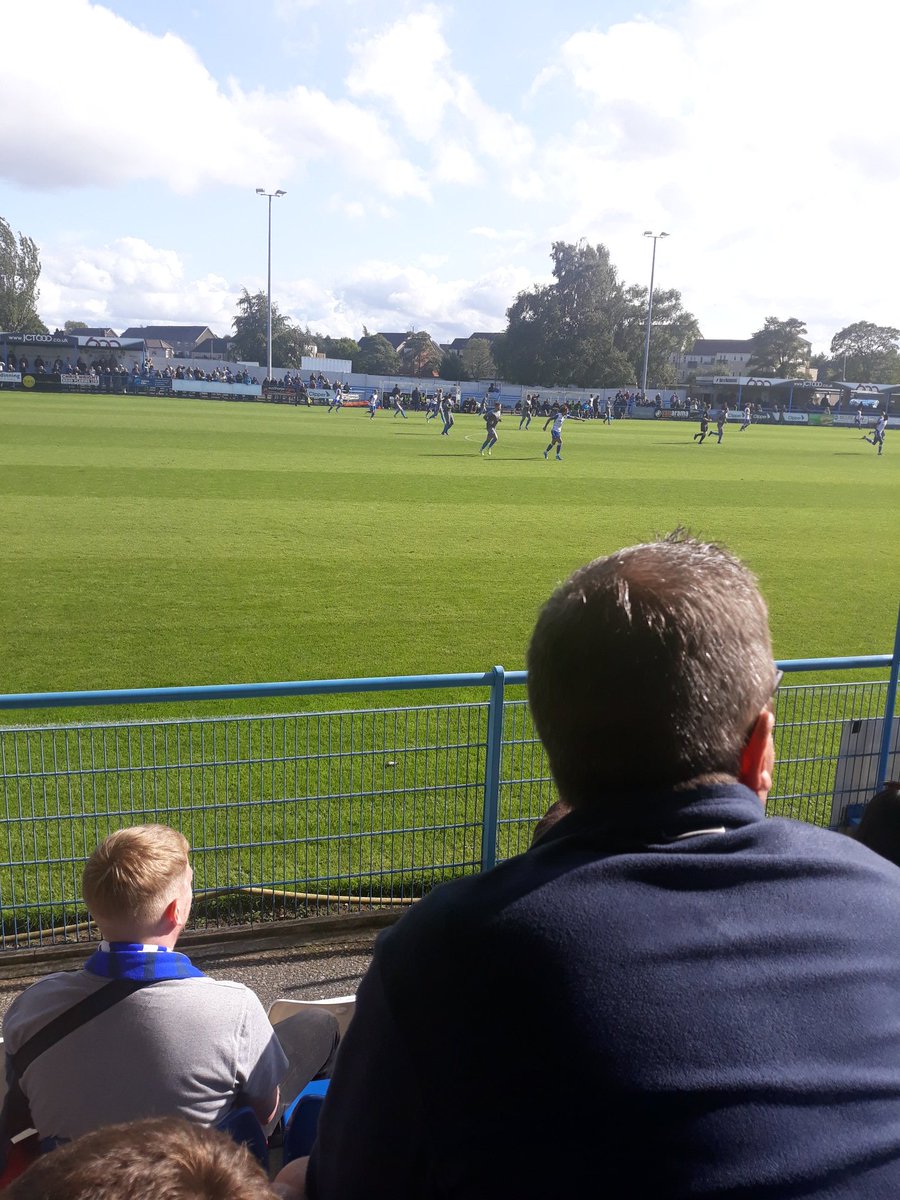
[[66, 1022]]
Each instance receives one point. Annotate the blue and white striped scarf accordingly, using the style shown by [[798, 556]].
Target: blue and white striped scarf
[[132, 960]]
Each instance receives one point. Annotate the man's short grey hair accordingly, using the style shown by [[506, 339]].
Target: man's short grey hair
[[648, 668]]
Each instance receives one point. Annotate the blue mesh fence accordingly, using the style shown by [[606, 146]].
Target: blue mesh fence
[[301, 814]]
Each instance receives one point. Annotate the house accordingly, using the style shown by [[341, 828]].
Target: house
[[215, 347], [185, 340], [95, 331], [396, 339], [458, 345], [714, 356], [719, 356]]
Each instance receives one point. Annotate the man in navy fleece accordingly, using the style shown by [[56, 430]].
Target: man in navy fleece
[[668, 995]]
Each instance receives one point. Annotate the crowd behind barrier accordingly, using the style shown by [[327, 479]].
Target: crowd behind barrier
[[287, 386]]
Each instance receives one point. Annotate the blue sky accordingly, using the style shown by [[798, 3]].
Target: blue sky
[[431, 152]]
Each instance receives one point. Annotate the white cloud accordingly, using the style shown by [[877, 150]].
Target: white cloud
[[408, 67], [410, 70], [455, 164], [289, 10], [104, 103], [399, 297], [493, 235], [129, 282], [720, 123], [317, 127]]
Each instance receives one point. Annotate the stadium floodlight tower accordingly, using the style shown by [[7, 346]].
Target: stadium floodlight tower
[[270, 197], [656, 236]]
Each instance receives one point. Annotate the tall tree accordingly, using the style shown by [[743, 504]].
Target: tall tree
[[780, 349], [20, 269], [866, 353], [566, 332], [376, 356], [291, 349], [420, 354], [477, 360], [289, 342], [74, 326], [674, 331]]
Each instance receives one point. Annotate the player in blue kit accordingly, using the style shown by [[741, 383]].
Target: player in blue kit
[[556, 432], [373, 404]]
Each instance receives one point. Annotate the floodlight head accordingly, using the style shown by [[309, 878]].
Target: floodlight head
[[280, 193], [260, 191], [663, 235], [648, 233]]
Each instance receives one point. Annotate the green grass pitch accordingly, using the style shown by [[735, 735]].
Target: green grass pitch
[[151, 542]]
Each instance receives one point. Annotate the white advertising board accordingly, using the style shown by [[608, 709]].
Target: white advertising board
[[204, 387]]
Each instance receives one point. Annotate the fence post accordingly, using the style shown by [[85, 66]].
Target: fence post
[[491, 809], [888, 727]]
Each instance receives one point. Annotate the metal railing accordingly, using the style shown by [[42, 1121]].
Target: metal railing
[[304, 813]]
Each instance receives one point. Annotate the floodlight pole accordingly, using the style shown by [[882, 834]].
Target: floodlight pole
[[270, 196], [656, 236]]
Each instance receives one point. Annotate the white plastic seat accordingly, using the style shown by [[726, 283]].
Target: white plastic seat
[[341, 1008]]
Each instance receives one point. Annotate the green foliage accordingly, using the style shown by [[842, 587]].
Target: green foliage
[[74, 326], [674, 331], [587, 329], [780, 349], [332, 347], [477, 360], [376, 356], [452, 367], [289, 342], [20, 269], [865, 353], [421, 355]]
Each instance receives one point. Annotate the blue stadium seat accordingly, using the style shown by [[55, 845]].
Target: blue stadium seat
[[242, 1125], [301, 1119]]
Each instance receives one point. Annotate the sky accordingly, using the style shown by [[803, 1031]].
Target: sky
[[431, 153]]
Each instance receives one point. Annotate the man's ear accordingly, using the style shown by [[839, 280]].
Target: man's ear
[[171, 914], [758, 756]]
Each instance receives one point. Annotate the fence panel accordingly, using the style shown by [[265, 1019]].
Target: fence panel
[[288, 816], [822, 767], [306, 813]]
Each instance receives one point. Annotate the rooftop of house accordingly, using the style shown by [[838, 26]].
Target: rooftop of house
[[706, 346], [171, 333], [396, 339]]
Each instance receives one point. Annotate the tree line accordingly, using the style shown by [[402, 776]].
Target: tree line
[[585, 328]]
